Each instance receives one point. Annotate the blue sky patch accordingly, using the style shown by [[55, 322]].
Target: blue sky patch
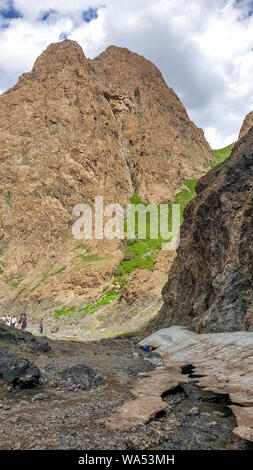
[[250, 8], [246, 8], [63, 36], [46, 14], [90, 14], [10, 12], [250, 11], [4, 26]]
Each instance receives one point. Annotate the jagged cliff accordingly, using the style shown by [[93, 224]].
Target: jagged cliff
[[59, 147], [246, 125], [162, 146], [210, 285], [71, 129]]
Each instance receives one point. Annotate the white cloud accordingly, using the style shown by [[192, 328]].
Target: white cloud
[[204, 49], [212, 135]]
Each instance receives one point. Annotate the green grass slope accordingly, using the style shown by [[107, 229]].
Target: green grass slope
[[140, 253], [221, 154]]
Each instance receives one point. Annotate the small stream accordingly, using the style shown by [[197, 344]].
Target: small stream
[[206, 422]]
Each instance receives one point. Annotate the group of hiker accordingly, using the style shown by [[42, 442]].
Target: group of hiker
[[12, 321], [21, 324]]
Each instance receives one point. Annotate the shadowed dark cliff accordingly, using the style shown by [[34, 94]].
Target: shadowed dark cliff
[[210, 284]]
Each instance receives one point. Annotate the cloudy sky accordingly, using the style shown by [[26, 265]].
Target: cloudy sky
[[204, 48]]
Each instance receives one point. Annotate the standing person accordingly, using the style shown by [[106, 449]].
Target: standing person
[[13, 321], [24, 322], [4, 317], [198, 329], [40, 328]]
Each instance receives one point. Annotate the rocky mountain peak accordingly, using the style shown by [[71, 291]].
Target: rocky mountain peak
[[73, 129], [152, 123], [60, 55], [122, 67]]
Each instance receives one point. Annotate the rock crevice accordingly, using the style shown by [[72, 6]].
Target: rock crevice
[[222, 364]]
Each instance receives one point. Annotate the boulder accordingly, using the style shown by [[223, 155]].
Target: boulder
[[7, 334], [82, 375], [18, 371], [44, 346]]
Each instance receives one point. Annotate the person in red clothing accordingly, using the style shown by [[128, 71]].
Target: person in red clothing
[[40, 328]]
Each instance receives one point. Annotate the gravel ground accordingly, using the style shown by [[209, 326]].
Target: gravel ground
[[60, 414]]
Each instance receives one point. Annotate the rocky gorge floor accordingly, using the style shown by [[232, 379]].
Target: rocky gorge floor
[[81, 384]]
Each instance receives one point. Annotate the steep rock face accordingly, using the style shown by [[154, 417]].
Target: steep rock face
[[65, 134], [162, 146], [246, 125], [59, 147], [210, 285]]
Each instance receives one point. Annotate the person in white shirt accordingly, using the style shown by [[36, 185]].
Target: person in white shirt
[[13, 321]]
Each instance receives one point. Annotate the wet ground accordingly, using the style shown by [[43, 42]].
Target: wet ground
[[61, 415], [206, 423]]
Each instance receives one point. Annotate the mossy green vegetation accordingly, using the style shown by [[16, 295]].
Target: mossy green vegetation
[[67, 312], [91, 308], [86, 256], [39, 283], [186, 195], [83, 246], [221, 154], [92, 258], [16, 283], [59, 271], [1, 270], [139, 253]]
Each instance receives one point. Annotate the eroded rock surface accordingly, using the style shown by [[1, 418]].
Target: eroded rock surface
[[210, 285], [221, 363], [244, 418], [70, 130], [246, 125], [161, 145], [148, 402]]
